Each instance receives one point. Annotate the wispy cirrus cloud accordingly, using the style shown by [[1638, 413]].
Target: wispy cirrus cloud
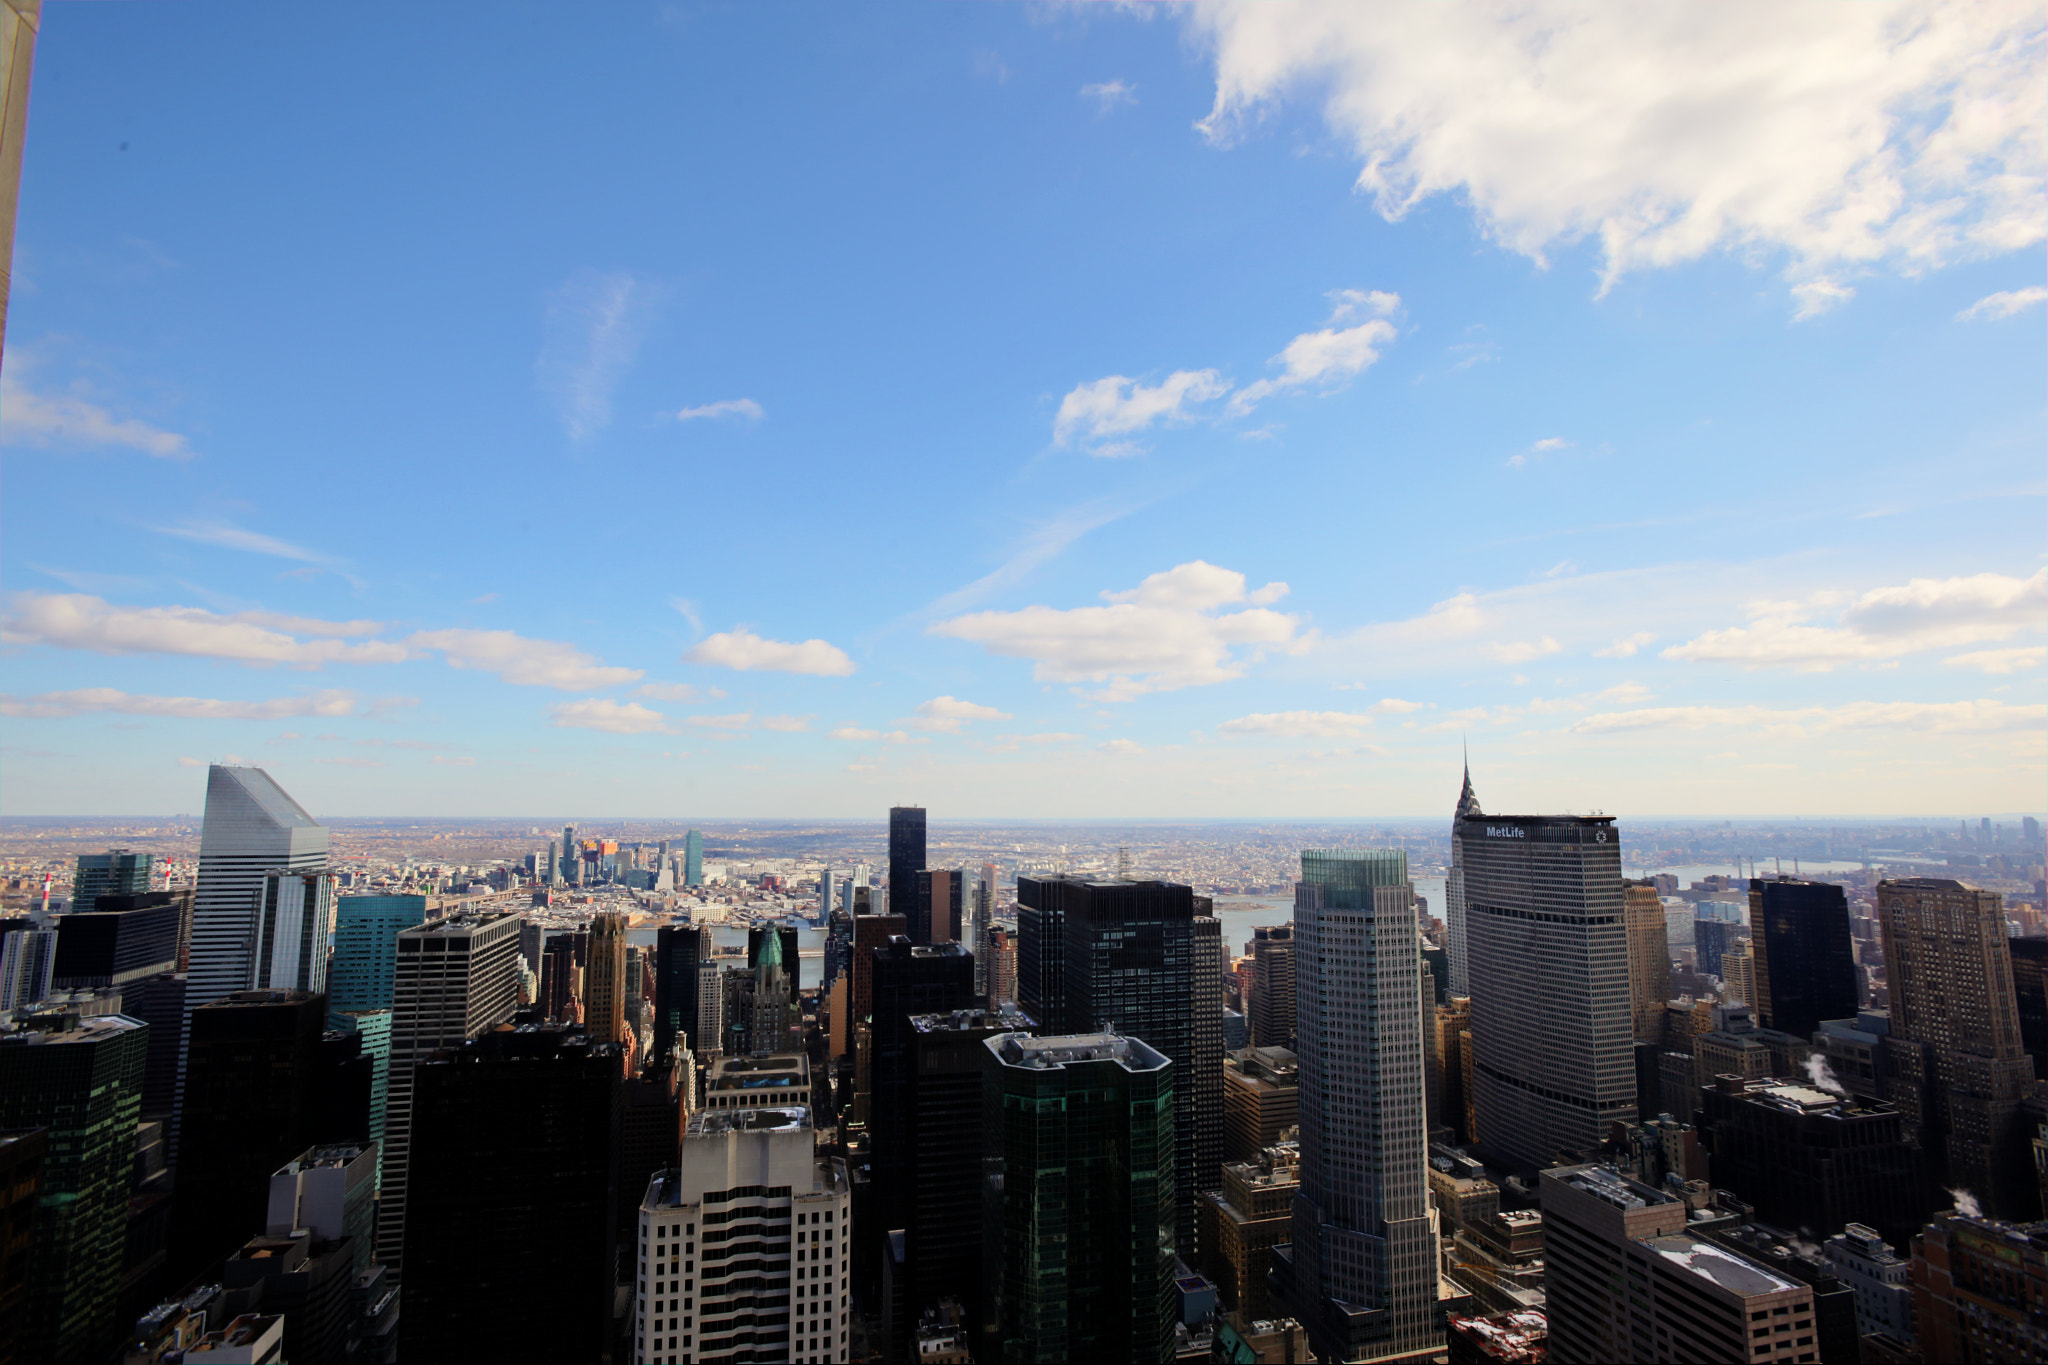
[[595, 324], [1109, 94], [745, 408], [743, 650], [2004, 304], [108, 700], [58, 420], [1954, 717], [1299, 724], [238, 538]]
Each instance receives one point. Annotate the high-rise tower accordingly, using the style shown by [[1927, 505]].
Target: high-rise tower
[[1805, 968], [604, 981], [1960, 1069], [906, 859], [1649, 961], [693, 858], [117, 872], [252, 828], [456, 978], [1363, 1276], [1455, 947], [1553, 1060]]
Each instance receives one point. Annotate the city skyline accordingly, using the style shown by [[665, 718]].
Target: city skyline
[[1685, 495]]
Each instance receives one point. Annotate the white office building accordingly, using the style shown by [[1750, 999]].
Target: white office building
[[742, 1249], [1879, 1275]]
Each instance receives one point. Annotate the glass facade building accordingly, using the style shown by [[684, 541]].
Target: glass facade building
[[906, 859], [1362, 1274], [1805, 968], [117, 872], [366, 930], [1085, 1210]]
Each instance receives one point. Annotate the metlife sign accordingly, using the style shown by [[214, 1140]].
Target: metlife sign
[[1506, 832]]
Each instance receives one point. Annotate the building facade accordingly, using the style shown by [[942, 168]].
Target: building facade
[[1649, 960], [742, 1250], [366, 930], [1805, 968], [1553, 1061], [1363, 1273]]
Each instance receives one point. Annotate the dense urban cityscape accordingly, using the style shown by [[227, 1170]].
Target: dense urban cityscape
[[1242, 682], [956, 1091]]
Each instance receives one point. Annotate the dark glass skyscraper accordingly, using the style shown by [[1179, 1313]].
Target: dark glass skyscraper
[[1553, 1054], [1120, 955], [1805, 970], [1086, 1217], [679, 950], [908, 980], [516, 1147], [906, 859]]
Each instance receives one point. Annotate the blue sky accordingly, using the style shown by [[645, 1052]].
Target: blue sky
[[790, 410]]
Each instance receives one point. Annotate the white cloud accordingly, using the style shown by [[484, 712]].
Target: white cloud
[[2004, 304], [309, 625], [1164, 634], [1999, 660], [748, 652], [1331, 357], [1109, 94], [97, 700], [1626, 646], [747, 720], [452, 761], [1394, 706], [526, 662], [1299, 724], [860, 734], [79, 621], [1955, 717], [1117, 405], [185, 761], [595, 323], [1009, 744], [1885, 623], [235, 538], [612, 717], [1120, 747], [1521, 651], [682, 692], [948, 714], [724, 407], [28, 418], [1819, 296], [1537, 450], [1905, 134]]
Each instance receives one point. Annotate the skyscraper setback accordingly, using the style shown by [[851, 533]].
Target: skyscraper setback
[[1362, 1234], [1553, 1056]]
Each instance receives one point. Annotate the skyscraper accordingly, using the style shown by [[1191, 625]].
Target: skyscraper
[[604, 981], [1553, 1054], [679, 949], [134, 937], [1649, 960], [295, 920], [366, 930], [774, 1024], [1362, 1235], [1126, 961], [1455, 929], [82, 1081], [940, 893], [906, 859], [516, 1147], [456, 978], [1805, 968], [1087, 1212], [743, 1253], [252, 1090], [909, 980], [1203, 1078], [1272, 1011], [569, 865], [117, 872], [252, 828], [1960, 1069], [693, 858]]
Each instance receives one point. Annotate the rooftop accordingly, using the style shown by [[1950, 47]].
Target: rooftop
[[1018, 1049], [1737, 1274], [1611, 1187], [763, 1119]]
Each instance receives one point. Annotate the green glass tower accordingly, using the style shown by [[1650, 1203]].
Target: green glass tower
[[693, 858], [117, 872], [83, 1081], [366, 930], [1087, 1211]]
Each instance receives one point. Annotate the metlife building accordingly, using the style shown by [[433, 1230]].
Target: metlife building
[[1553, 1056]]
